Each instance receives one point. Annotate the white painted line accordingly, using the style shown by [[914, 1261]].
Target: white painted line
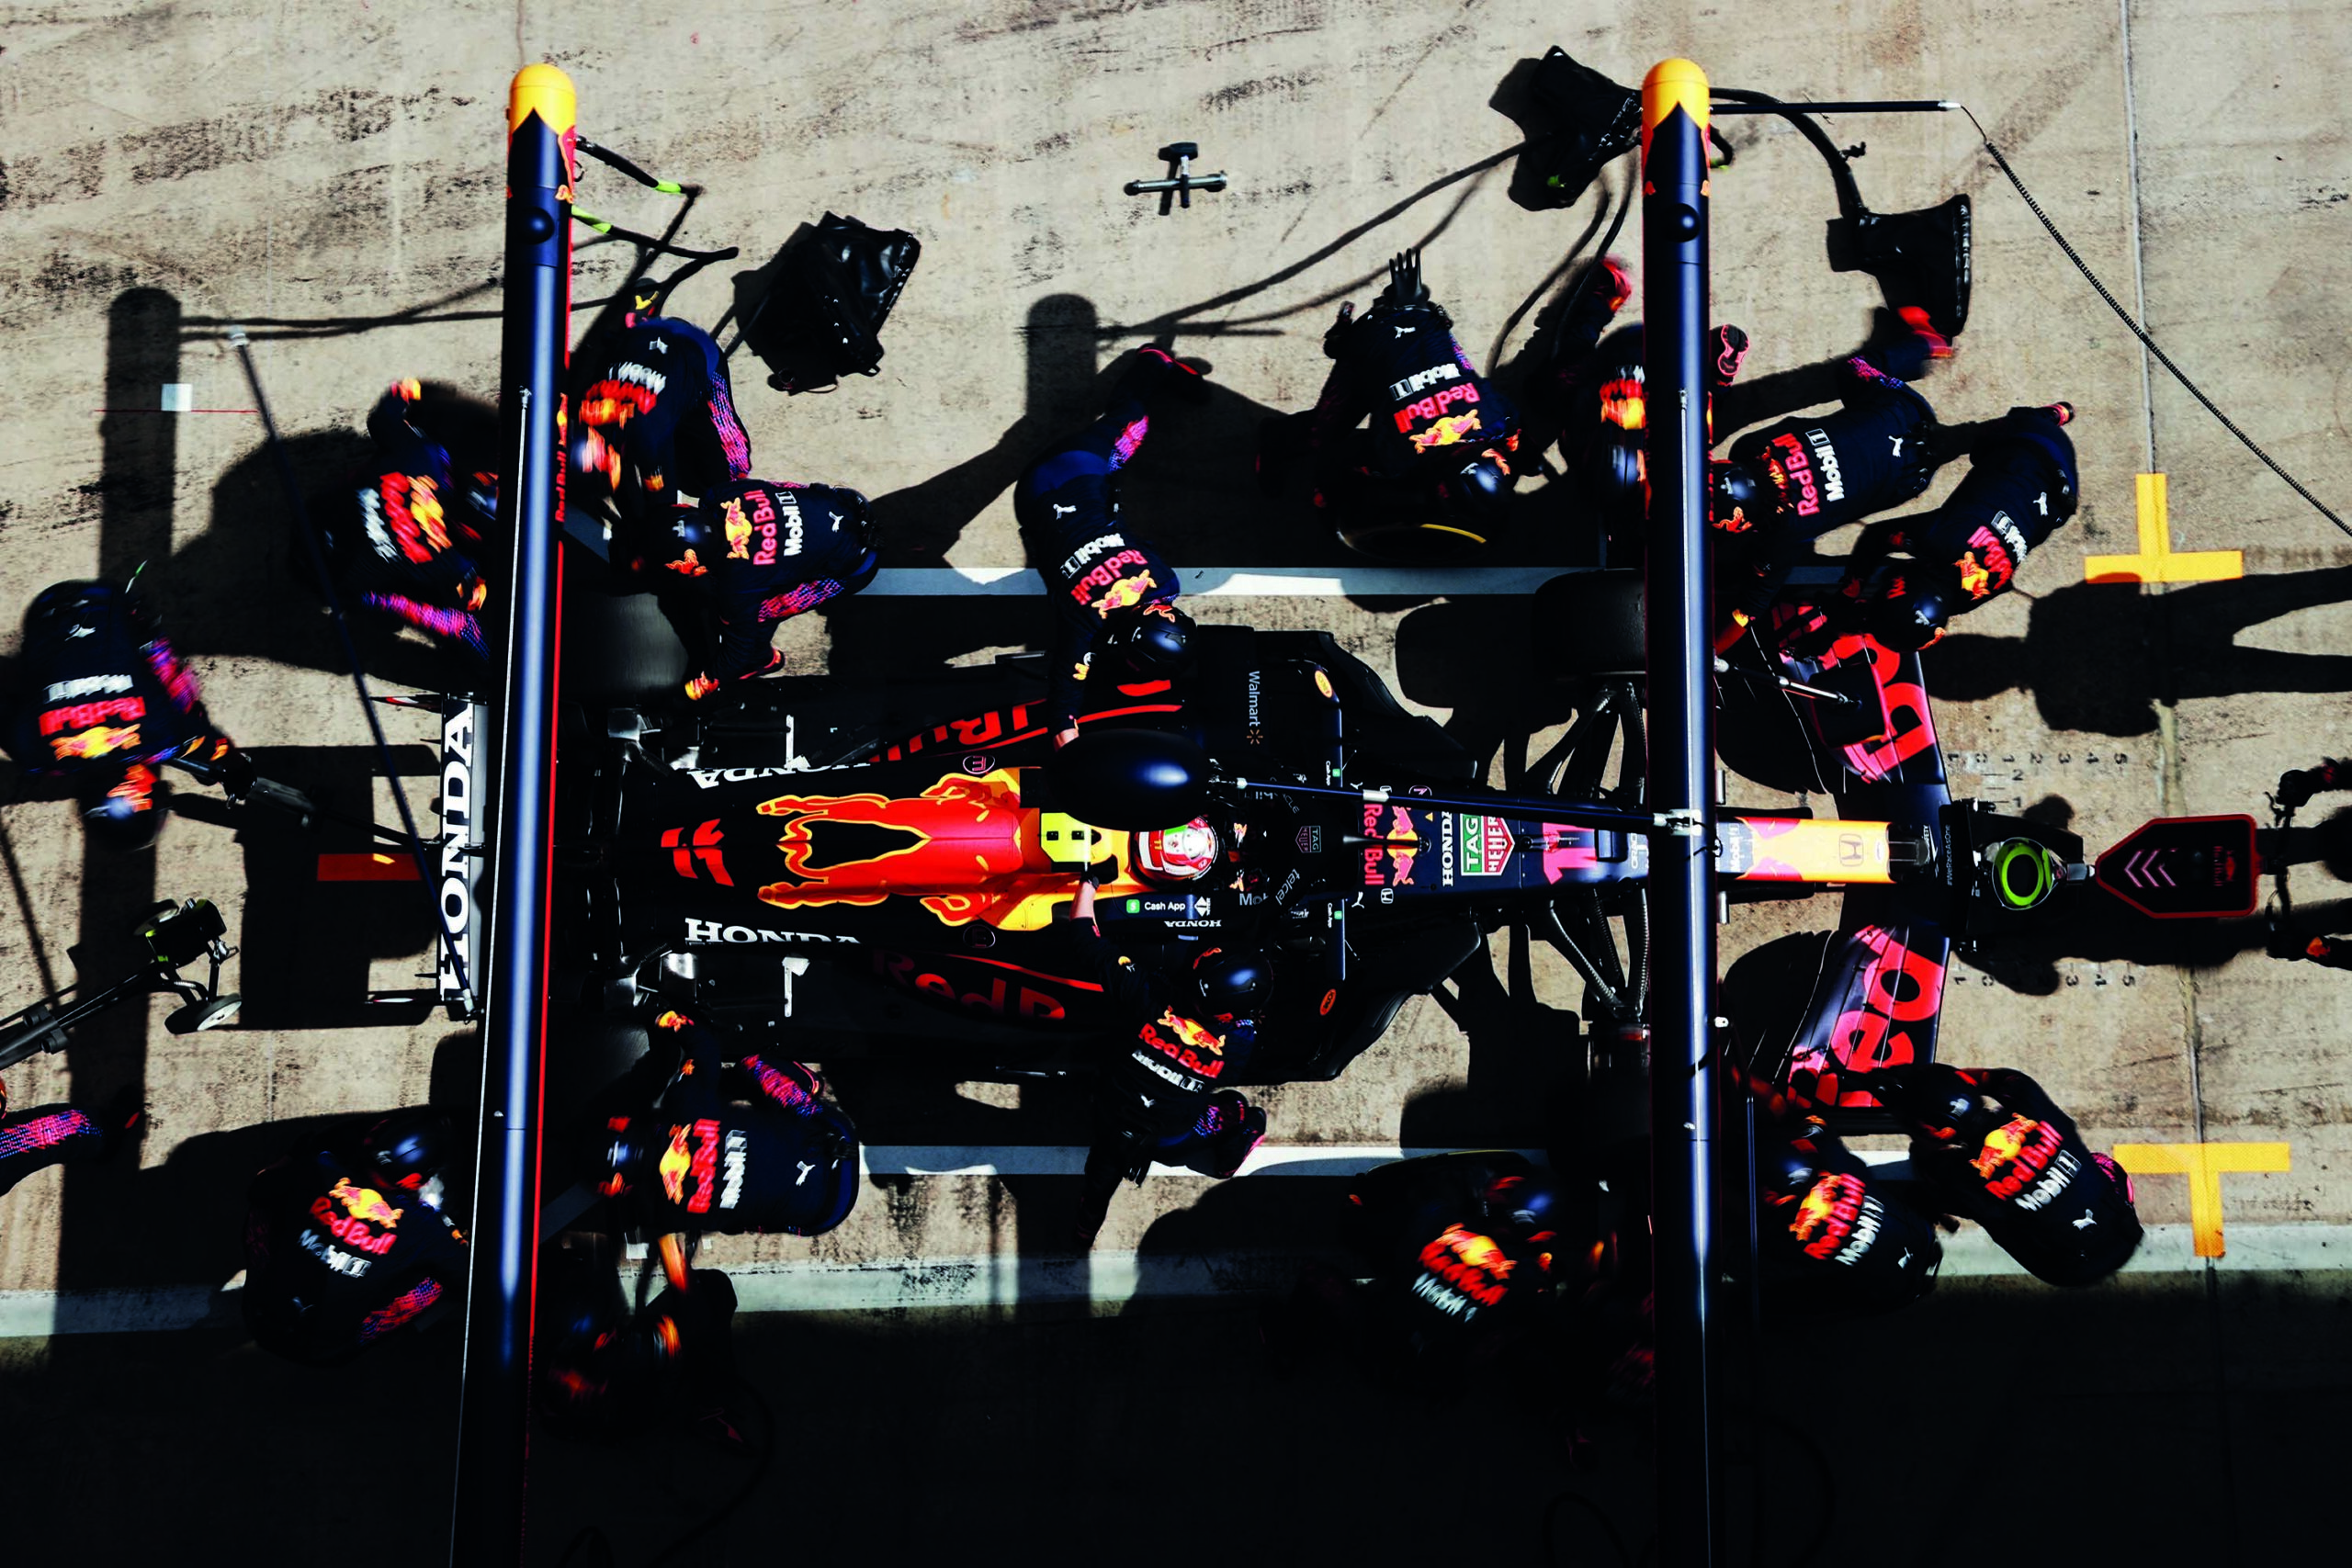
[[1070, 1159], [1008, 1278], [179, 397], [1229, 582]]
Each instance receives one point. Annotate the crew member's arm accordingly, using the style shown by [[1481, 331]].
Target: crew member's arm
[[789, 1084], [1123, 984], [1069, 662]]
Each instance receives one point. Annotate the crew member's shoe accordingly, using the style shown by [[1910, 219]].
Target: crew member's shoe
[[1938, 345], [1156, 371], [1730, 345]]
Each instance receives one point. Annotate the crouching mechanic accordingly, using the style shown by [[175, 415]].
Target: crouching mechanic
[[1830, 1239], [427, 502], [715, 1141], [1113, 594], [2295, 788], [342, 1245], [1459, 1250], [2019, 489], [103, 701], [603, 1370], [1441, 437], [1997, 1151], [752, 555], [1161, 1095], [654, 418]]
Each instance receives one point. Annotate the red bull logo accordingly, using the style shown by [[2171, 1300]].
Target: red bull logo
[[964, 847], [2022, 1148], [1397, 842], [1447, 431], [363, 1207], [1826, 1215], [99, 742], [1187, 1044], [1472, 1263], [739, 529], [412, 506], [679, 1165], [1433, 407], [1127, 593]]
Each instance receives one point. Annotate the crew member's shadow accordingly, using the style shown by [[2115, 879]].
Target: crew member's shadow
[[1526, 1059], [310, 925], [2099, 656], [1476, 657], [236, 590]]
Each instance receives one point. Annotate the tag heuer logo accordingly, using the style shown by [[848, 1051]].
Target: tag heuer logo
[[1310, 841]]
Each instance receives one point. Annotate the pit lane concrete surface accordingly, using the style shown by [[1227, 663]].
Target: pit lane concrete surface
[[328, 178]]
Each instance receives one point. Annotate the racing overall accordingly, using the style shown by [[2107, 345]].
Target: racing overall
[[1067, 503], [1456, 1275], [604, 1371], [654, 416], [414, 545], [1827, 1237], [335, 1262], [785, 1161], [2021, 487], [789, 548], [1996, 1148], [52, 1135], [1431, 411], [1605, 439], [1162, 1095], [103, 696]]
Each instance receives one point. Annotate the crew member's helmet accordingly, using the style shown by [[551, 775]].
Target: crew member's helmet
[[628, 1155], [1231, 985], [1177, 855], [1737, 496], [1150, 642], [1478, 488], [1528, 1202], [406, 1149], [684, 542], [1909, 616]]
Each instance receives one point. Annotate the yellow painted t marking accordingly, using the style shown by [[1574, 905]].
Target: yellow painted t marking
[[2203, 1163]]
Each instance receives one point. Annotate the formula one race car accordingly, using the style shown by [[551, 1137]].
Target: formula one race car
[[922, 840]]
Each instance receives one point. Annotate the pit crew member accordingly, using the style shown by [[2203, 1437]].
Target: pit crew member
[[1829, 1236], [1999, 1152], [1161, 1095], [1459, 1250], [2019, 489], [415, 544], [346, 1244], [1439, 432], [103, 701], [1112, 592], [752, 555], [712, 1137], [654, 418]]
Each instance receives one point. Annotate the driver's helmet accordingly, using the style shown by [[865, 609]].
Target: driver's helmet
[[1177, 855], [1152, 642], [1907, 614], [406, 1149], [1231, 985], [1737, 497], [685, 542], [1478, 488]]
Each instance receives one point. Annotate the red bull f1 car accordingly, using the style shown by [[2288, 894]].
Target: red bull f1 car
[[887, 867]]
